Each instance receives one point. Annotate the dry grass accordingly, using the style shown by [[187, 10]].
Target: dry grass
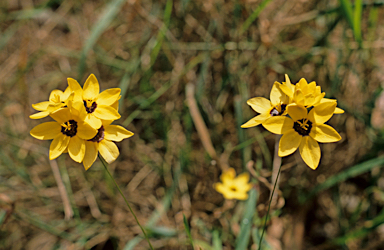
[[167, 169]]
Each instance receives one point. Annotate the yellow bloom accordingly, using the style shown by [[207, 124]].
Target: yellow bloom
[[304, 130], [103, 143], [306, 94], [68, 133], [57, 100], [98, 106], [275, 107], [233, 187]]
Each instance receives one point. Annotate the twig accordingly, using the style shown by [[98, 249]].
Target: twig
[[63, 192]]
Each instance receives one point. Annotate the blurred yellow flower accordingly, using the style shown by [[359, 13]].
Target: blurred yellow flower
[[57, 99], [304, 130], [233, 187], [103, 143], [98, 106], [276, 106], [68, 133]]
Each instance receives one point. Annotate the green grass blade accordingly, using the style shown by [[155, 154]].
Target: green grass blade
[[253, 16], [106, 18], [346, 7], [217, 243], [246, 223], [187, 230], [348, 173], [357, 20]]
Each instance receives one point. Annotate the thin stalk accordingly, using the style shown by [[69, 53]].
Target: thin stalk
[[126, 202], [269, 207]]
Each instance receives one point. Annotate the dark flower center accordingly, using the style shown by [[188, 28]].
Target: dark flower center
[[90, 106], [303, 127], [69, 128], [99, 136], [233, 189], [278, 110]]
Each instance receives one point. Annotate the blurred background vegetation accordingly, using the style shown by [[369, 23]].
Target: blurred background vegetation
[[173, 60]]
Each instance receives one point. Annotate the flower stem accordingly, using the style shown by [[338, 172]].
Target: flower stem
[[269, 207], [126, 201]]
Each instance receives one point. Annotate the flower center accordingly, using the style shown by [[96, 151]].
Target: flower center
[[303, 127], [99, 136], [90, 106], [233, 189], [69, 128], [278, 109]]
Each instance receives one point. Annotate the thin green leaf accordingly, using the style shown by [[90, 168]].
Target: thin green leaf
[[357, 20], [253, 16], [246, 223], [106, 18], [187, 230], [348, 173]]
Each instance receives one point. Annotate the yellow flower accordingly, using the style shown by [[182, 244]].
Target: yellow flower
[[103, 143], [233, 187], [68, 133], [304, 130], [306, 94], [98, 106], [57, 100], [275, 107]]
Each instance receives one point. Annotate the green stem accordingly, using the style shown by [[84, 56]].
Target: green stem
[[269, 207], [126, 202]]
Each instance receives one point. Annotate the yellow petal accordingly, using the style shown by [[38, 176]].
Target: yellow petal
[[62, 115], [260, 104], [219, 187], [278, 124], [91, 150], [76, 148], [39, 115], [297, 112], [338, 111], [46, 131], [91, 88], [85, 131], [58, 145], [322, 113], [302, 84], [93, 121], [228, 176], [108, 150], [241, 182], [324, 133], [289, 142], [56, 96], [310, 152], [106, 113], [276, 95], [116, 133], [257, 120], [108, 97], [75, 87], [41, 106], [287, 87], [299, 97]]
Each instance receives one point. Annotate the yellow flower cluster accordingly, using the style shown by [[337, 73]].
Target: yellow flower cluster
[[298, 112], [82, 126]]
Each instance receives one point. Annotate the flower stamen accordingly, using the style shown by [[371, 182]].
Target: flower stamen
[[90, 106], [69, 128], [303, 127]]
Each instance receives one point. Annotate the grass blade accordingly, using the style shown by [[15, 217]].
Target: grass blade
[[349, 173], [187, 230], [253, 16], [246, 223], [106, 18]]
